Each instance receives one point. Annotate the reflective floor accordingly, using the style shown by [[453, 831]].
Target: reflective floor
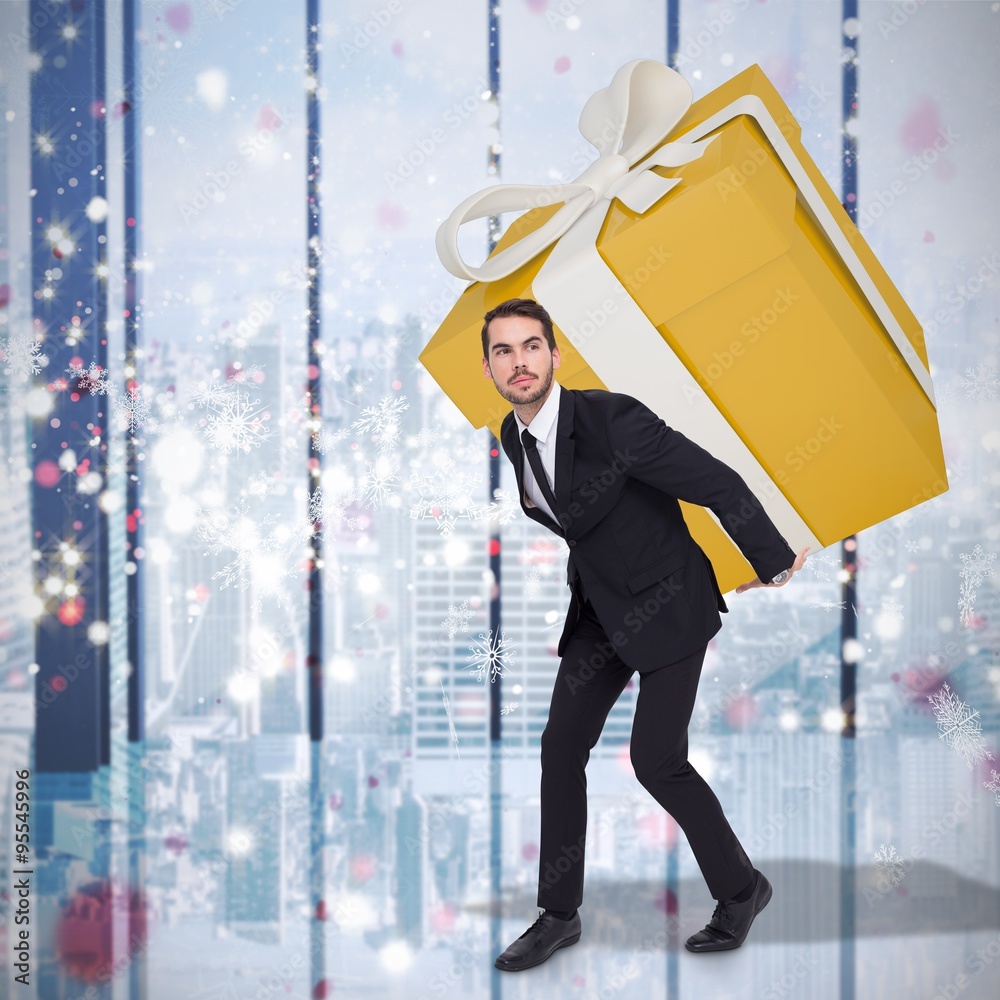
[[404, 907]]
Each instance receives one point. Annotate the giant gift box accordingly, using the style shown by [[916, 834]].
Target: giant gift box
[[703, 265]]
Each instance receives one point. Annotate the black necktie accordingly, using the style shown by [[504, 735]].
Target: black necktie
[[535, 461]]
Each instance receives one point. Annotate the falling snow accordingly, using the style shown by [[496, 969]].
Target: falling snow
[[959, 726], [975, 568], [92, 380], [132, 408], [445, 496], [382, 422], [994, 785], [980, 383], [451, 721], [490, 654], [889, 866], [236, 424], [379, 482], [503, 509], [892, 609], [23, 356], [458, 618], [828, 605], [327, 509]]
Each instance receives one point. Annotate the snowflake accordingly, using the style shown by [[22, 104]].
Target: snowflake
[[324, 439], [259, 550], [826, 605], [424, 438], [244, 375], [451, 722], [378, 482], [820, 559], [976, 566], [458, 618], [960, 728], [532, 583], [491, 653], [131, 407], [237, 424], [892, 609], [326, 509], [92, 380], [912, 546], [445, 496], [503, 508], [994, 785], [23, 355], [211, 393], [261, 485], [980, 384], [381, 421], [889, 866], [508, 708]]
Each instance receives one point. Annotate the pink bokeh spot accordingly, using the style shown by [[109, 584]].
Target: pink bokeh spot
[[537, 6], [268, 118], [928, 236], [920, 128], [562, 64], [443, 919], [397, 49], [742, 713], [47, 474], [783, 72], [178, 17], [390, 215]]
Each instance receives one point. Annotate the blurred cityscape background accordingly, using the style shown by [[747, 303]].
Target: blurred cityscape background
[[182, 864]]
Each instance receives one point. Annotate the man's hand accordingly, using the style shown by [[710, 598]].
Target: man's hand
[[800, 561]]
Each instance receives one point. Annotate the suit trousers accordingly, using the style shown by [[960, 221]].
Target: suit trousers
[[587, 685]]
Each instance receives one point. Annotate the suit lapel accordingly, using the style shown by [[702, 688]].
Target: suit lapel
[[565, 448]]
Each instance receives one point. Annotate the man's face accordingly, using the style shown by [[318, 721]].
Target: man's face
[[520, 362]]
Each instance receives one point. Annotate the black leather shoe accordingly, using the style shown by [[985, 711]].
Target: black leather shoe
[[731, 921], [542, 938]]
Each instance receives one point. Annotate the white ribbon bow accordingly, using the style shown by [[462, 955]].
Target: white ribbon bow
[[643, 104]]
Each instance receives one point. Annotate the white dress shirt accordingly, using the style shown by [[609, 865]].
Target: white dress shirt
[[544, 425]]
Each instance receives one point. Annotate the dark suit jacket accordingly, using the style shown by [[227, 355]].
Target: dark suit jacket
[[619, 472]]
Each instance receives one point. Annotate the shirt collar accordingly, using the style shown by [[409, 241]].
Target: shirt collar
[[543, 420]]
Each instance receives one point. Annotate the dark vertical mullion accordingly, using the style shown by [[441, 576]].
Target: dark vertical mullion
[[849, 547], [314, 653], [495, 550], [71, 725], [103, 652], [132, 181], [314, 363]]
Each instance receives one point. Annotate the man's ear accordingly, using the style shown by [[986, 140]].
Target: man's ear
[[556, 358]]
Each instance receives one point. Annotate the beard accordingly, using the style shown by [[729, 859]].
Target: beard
[[530, 392]]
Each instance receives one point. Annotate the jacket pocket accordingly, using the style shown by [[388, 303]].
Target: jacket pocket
[[653, 574]]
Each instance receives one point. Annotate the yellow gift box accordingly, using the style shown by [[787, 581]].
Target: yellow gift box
[[713, 274]]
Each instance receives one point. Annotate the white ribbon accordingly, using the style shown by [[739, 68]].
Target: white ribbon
[[643, 104]]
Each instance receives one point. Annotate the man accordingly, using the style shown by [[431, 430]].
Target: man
[[601, 470]]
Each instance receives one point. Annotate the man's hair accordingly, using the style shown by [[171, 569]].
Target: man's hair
[[519, 307]]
